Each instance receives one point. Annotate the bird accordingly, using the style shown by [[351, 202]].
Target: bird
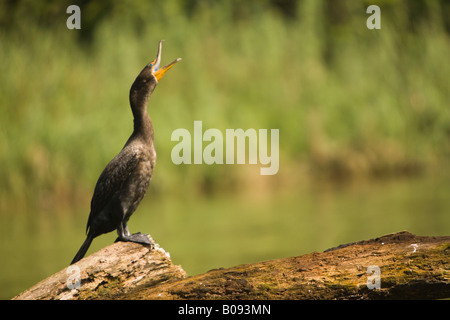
[[125, 180]]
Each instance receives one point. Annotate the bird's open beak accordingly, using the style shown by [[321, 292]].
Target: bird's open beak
[[158, 71]]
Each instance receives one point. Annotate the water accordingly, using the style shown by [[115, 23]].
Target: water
[[213, 232]]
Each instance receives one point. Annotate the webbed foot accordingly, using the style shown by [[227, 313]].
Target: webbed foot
[[141, 238]]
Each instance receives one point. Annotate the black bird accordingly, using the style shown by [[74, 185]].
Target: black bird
[[125, 180]]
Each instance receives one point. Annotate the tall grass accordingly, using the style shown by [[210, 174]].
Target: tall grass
[[347, 100]]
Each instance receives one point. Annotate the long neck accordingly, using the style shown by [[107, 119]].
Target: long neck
[[143, 127]]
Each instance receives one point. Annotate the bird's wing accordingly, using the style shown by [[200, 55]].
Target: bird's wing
[[112, 179]]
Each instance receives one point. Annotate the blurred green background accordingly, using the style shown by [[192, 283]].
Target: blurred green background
[[364, 122]]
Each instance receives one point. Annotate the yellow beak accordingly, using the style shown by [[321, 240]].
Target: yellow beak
[[158, 71]]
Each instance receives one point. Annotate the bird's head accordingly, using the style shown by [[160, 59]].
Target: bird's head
[[149, 77], [154, 70], [155, 66]]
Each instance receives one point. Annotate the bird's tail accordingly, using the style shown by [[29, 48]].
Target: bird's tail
[[84, 248]]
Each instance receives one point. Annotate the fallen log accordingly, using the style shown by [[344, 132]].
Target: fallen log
[[110, 273], [394, 266]]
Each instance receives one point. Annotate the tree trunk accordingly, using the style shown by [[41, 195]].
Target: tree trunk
[[395, 266]]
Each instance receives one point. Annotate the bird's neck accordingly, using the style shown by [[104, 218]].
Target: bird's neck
[[139, 97], [143, 127]]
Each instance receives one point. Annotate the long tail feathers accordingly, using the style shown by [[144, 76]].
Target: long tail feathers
[[84, 248]]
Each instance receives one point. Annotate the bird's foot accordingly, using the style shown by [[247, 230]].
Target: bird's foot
[[141, 238]]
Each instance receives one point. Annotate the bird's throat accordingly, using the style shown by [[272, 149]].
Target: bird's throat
[[143, 125]]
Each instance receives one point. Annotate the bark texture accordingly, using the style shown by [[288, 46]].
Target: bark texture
[[111, 273]]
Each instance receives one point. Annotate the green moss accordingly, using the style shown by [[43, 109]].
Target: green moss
[[267, 287], [444, 247]]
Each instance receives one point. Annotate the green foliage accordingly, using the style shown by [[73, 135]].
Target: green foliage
[[346, 99]]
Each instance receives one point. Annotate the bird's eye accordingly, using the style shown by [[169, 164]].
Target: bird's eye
[[151, 65]]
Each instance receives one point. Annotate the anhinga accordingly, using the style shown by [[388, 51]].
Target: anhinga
[[125, 180]]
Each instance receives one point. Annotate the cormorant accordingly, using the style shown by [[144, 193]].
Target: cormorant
[[124, 181]]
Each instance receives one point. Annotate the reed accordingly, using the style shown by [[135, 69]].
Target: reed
[[346, 99]]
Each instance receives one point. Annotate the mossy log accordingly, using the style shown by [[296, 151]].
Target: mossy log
[[110, 273], [395, 266]]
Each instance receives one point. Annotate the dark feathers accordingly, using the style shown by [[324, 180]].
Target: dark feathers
[[111, 181]]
